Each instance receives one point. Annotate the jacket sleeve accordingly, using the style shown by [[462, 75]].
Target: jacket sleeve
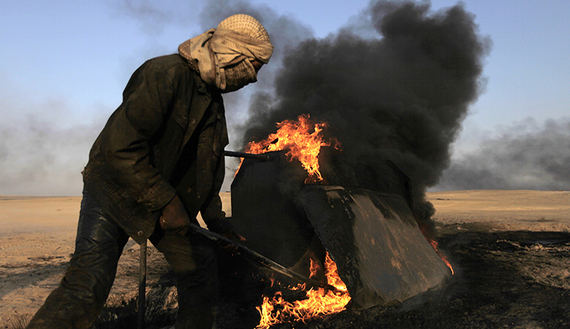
[[125, 143], [212, 213]]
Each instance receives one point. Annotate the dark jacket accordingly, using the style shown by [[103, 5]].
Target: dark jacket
[[166, 137]]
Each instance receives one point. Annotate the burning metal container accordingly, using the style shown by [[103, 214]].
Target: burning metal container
[[371, 235]]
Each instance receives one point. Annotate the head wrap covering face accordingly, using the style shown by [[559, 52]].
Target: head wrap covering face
[[238, 75], [223, 55]]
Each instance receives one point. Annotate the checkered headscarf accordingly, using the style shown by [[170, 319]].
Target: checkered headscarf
[[237, 38]]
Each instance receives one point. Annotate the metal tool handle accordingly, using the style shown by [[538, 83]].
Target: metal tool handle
[[262, 157], [258, 258], [142, 286]]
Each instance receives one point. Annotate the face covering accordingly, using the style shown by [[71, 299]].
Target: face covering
[[238, 76]]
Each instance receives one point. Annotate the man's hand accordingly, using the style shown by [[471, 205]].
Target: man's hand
[[174, 217], [232, 235]]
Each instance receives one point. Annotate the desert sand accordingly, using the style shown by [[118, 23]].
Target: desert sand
[[500, 210], [528, 228]]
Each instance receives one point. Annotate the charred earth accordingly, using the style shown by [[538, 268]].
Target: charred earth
[[513, 279]]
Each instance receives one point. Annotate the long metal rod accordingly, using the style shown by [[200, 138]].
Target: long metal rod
[[258, 258], [142, 286], [262, 157]]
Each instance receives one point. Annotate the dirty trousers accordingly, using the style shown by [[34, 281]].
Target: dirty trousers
[[82, 293]]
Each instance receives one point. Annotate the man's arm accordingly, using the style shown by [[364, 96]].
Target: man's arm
[[125, 141]]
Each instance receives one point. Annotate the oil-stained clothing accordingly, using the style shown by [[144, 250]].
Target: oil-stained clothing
[[136, 156], [166, 137]]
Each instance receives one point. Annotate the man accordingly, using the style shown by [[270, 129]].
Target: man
[[156, 164]]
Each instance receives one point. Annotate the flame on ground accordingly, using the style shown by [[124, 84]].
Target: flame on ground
[[319, 302], [435, 245], [302, 138]]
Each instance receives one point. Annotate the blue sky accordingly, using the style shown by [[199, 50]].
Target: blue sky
[[64, 65]]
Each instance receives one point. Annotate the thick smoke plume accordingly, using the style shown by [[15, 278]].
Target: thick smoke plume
[[523, 156], [401, 95]]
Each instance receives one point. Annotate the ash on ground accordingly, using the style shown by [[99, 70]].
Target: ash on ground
[[502, 280]]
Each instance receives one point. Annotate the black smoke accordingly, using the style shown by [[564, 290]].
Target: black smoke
[[400, 95], [522, 156]]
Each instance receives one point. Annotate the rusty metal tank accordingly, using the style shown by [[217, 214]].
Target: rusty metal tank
[[372, 235]]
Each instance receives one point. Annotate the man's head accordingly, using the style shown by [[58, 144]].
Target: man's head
[[230, 56]]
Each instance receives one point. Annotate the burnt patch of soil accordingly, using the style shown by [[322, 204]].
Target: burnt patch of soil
[[502, 280]]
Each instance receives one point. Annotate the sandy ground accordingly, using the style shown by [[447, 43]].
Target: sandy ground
[[36, 240], [521, 232], [499, 210]]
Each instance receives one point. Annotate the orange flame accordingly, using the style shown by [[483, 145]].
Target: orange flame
[[435, 245], [319, 302], [314, 268], [302, 139]]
